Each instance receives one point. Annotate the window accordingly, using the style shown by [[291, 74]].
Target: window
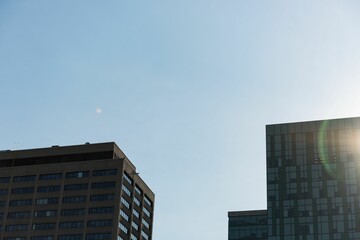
[[51, 176], [1, 215], [79, 174], [144, 235], [99, 223], [28, 178], [101, 210], [77, 224], [137, 202], [105, 172], [126, 190], [76, 187], [22, 202], [102, 197], [16, 227], [45, 213], [15, 238], [45, 201], [98, 236], [74, 199], [3, 191], [70, 237], [135, 226], [132, 237], [147, 201], [22, 190], [138, 190], [123, 201], [2, 203], [43, 226], [55, 188], [42, 238], [4, 179], [147, 213], [146, 224], [124, 215], [12, 215], [135, 213], [73, 212], [127, 178], [103, 185], [123, 228]]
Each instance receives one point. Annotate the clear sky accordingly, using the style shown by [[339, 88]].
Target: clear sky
[[185, 88]]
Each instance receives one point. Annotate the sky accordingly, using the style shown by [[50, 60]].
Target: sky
[[185, 88]]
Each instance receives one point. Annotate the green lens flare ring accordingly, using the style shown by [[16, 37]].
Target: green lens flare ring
[[323, 148]]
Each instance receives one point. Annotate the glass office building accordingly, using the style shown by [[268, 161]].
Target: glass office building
[[248, 225], [313, 180]]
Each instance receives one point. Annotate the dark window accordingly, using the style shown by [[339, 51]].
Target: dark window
[[75, 187], [16, 227], [99, 223], [104, 172], [43, 226], [18, 215], [3, 191], [28, 178], [15, 238], [98, 236], [71, 237], [73, 212], [101, 210], [45, 213], [2, 203], [49, 188], [42, 238], [77, 224], [22, 190], [22, 202], [52, 176], [79, 174], [1, 215], [74, 199], [45, 201], [102, 197], [4, 179], [103, 185]]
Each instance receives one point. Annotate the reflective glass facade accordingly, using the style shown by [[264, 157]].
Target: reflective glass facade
[[313, 180], [248, 225]]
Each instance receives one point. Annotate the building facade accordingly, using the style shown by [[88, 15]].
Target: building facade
[[83, 192], [248, 225], [313, 180]]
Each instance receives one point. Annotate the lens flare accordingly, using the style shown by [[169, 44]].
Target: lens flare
[[323, 148]]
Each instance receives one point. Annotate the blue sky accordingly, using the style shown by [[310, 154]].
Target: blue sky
[[185, 88]]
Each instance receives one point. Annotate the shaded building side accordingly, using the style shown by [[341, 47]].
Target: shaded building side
[[248, 225]]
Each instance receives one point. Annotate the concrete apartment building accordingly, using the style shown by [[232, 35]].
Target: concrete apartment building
[[313, 180], [82, 192]]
